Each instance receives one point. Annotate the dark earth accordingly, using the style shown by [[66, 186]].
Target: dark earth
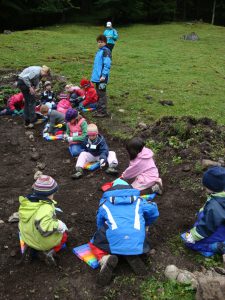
[[180, 144]]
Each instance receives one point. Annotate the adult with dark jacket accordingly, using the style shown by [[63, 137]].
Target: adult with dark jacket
[[28, 82], [100, 74], [121, 229], [207, 236]]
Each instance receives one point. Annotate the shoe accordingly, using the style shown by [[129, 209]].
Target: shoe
[[108, 264], [112, 170], [49, 258], [78, 174], [31, 125], [157, 188], [136, 264], [100, 115]]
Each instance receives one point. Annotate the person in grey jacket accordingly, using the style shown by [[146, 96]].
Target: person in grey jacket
[[55, 118], [28, 82]]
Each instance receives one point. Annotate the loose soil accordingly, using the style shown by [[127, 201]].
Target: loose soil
[[73, 279]]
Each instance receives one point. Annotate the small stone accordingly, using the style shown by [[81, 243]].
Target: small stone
[[13, 253], [187, 277], [66, 161], [32, 291], [56, 296], [37, 175], [186, 168], [6, 247], [148, 97], [73, 213], [142, 125], [34, 149], [2, 222], [210, 163], [28, 133], [166, 102], [14, 218], [121, 110], [41, 165], [171, 272], [35, 156], [11, 201], [152, 252], [31, 137]]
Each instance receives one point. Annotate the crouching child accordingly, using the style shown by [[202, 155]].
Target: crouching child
[[121, 229], [39, 226], [95, 149], [208, 233]]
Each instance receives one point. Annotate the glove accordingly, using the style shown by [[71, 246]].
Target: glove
[[102, 86], [79, 99], [102, 162], [189, 238], [21, 112], [80, 106], [16, 112], [62, 227]]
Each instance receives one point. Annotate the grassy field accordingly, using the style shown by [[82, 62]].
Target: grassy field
[[147, 60]]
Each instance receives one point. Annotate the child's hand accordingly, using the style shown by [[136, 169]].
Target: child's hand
[[62, 227], [69, 139], [189, 238], [102, 163]]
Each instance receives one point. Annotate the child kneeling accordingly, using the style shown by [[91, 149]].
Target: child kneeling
[[95, 149], [208, 234], [39, 227]]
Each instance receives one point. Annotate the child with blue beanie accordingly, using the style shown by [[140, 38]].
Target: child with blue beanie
[[208, 234]]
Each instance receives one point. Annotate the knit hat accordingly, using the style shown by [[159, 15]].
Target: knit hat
[[109, 24], [45, 186], [84, 82], [47, 83], [214, 179], [92, 129], [71, 114]]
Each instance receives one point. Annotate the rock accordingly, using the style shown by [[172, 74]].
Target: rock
[[11, 201], [7, 32], [224, 260], [66, 161], [2, 222], [121, 110], [148, 97], [206, 163], [186, 168], [142, 125], [6, 247], [13, 253], [37, 174], [209, 290], [152, 252], [166, 102], [35, 156], [28, 133], [31, 137], [219, 270], [187, 277], [14, 218], [73, 213], [171, 272], [41, 166]]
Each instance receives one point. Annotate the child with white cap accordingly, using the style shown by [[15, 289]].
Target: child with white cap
[[95, 149], [39, 226], [111, 35]]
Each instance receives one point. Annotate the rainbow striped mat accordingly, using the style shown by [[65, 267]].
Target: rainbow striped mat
[[92, 166], [88, 109], [84, 253]]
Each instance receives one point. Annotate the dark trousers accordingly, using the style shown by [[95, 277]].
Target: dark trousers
[[102, 99], [110, 46], [29, 103]]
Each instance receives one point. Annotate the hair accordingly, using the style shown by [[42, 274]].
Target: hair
[[46, 70], [102, 38], [44, 109], [134, 146]]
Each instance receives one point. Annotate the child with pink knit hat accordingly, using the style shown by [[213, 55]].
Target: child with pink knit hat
[[95, 149]]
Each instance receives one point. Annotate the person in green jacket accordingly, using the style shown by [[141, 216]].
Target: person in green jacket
[[39, 226]]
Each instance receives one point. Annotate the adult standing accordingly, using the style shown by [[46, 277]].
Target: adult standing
[[100, 74], [111, 35], [28, 82]]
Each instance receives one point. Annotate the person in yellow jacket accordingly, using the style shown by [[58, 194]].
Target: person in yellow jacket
[[39, 226]]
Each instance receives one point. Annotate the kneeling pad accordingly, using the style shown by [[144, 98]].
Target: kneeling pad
[[92, 166], [84, 253]]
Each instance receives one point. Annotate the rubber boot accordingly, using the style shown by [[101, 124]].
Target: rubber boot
[[136, 264], [108, 264], [112, 169], [78, 174]]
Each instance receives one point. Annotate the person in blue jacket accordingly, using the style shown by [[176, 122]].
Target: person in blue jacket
[[100, 74], [122, 218], [208, 234], [111, 35]]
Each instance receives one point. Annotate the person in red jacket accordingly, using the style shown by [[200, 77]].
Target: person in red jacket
[[15, 105], [90, 94]]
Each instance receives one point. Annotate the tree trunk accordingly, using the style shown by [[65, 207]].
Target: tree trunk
[[213, 12]]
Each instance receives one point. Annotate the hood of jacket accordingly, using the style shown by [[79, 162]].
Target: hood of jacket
[[145, 153]]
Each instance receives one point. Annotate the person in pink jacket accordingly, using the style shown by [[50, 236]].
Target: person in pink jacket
[[142, 168]]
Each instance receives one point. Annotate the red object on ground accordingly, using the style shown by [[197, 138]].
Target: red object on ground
[[106, 186], [98, 253]]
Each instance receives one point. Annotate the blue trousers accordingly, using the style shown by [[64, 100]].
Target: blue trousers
[[75, 149]]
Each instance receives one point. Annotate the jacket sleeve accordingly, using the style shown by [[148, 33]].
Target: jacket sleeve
[[52, 123], [101, 218], [213, 217], [150, 211], [132, 171], [45, 222], [12, 103], [106, 63], [104, 150], [115, 35], [84, 132]]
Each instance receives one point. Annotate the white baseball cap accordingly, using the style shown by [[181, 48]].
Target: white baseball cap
[[108, 24]]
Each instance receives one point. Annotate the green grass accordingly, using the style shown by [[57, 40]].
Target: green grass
[[147, 60]]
